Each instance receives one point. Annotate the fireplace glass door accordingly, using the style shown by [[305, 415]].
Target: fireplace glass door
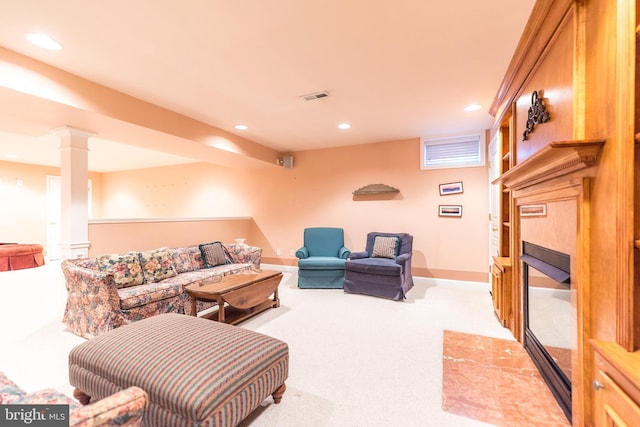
[[548, 319]]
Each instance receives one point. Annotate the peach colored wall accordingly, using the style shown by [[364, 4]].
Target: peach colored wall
[[192, 190], [281, 202], [317, 191], [23, 211], [140, 235]]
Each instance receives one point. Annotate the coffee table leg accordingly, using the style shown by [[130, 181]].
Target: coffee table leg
[[194, 306], [220, 310], [276, 300]]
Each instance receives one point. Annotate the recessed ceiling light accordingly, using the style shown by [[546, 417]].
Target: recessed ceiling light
[[472, 107], [242, 127], [344, 126], [43, 41]]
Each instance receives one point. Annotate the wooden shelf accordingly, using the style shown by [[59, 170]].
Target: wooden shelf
[[376, 189], [637, 244], [506, 224], [556, 159], [507, 156], [233, 315]]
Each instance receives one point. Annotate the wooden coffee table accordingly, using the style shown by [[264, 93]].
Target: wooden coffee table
[[239, 296]]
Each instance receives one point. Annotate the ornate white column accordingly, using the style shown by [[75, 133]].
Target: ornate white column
[[74, 204]]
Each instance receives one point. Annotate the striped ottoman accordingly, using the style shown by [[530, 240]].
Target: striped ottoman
[[197, 372]]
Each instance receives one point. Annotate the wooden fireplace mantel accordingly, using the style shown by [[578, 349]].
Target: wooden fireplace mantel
[[556, 159]]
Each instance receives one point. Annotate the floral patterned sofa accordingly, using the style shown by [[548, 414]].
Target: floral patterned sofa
[[116, 289], [124, 408]]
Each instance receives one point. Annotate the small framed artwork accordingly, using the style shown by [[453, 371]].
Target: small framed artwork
[[451, 188], [533, 210], [450, 210]]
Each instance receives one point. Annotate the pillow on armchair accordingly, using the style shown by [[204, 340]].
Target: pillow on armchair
[[385, 247]]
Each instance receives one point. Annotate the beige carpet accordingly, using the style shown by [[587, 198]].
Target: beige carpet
[[354, 360]]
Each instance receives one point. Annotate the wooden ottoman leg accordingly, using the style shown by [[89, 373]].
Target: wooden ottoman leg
[[81, 396], [277, 395]]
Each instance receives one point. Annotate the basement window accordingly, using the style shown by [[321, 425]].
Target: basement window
[[452, 152]]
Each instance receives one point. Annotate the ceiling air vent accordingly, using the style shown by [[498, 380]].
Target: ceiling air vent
[[315, 95]]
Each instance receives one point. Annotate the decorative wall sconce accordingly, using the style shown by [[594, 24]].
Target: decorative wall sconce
[[537, 114]]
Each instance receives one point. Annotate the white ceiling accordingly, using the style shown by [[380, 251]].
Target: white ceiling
[[394, 69]]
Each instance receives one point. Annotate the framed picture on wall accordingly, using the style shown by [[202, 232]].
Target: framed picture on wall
[[450, 210], [533, 210], [451, 188]]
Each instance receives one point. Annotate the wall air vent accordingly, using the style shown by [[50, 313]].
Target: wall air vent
[[315, 95]]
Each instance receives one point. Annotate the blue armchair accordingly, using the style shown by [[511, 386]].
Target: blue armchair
[[321, 259], [383, 269]]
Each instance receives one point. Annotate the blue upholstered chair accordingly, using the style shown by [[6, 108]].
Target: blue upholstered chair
[[383, 269], [321, 259]]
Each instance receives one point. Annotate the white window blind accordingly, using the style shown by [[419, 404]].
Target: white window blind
[[453, 152]]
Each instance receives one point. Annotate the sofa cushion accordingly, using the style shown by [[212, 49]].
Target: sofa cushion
[[147, 293], [182, 260], [380, 266], [385, 247], [214, 254], [157, 265], [321, 263], [125, 268], [195, 256]]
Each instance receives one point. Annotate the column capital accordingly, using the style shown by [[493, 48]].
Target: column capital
[[71, 131]]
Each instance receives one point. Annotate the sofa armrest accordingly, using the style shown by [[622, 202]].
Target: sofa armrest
[[344, 253], [359, 255], [125, 407], [93, 303], [403, 258], [241, 253], [302, 253], [9, 391], [92, 287]]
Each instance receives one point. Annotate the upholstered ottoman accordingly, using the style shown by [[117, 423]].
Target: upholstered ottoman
[[196, 372], [14, 256]]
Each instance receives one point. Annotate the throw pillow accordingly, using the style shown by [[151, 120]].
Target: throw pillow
[[214, 254], [385, 247], [157, 265], [125, 268], [182, 260], [196, 257]]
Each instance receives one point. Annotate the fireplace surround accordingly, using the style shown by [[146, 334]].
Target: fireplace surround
[[557, 177]]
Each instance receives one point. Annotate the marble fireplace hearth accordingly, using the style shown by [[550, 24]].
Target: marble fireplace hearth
[[494, 381]]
